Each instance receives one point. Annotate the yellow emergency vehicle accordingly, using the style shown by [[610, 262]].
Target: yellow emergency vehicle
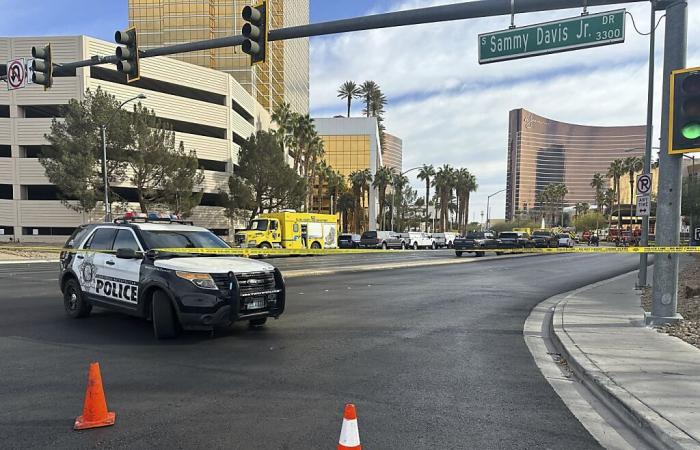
[[290, 229]]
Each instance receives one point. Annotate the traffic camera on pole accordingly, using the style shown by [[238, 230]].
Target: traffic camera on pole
[[255, 32], [129, 54], [42, 66], [684, 114]]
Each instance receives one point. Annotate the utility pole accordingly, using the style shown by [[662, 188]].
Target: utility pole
[[643, 257], [668, 208]]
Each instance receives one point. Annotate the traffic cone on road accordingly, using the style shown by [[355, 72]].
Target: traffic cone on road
[[349, 433], [95, 412]]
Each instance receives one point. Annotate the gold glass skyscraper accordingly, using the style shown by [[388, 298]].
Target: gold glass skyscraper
[[283, 78]]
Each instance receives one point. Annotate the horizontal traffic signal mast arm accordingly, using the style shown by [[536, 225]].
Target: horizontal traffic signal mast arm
[[459, 11]]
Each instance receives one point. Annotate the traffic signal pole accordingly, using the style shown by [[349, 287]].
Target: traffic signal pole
[[444, 13], [643, 258], [668, 205]]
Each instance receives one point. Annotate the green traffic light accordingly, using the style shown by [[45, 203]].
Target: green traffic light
[[691, 130]]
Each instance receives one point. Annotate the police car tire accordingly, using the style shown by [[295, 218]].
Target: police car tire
[[81, 307], [255, 323], [164, 319]]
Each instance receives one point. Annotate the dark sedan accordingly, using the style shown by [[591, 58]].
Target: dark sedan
[[477, 242], [515, 239]]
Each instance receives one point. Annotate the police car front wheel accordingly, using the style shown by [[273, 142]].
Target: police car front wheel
[[257, 323], [74, 302], [165, 324]]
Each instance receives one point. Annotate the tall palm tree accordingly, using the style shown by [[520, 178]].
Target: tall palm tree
[[399, 183], [360, 180], [349, 91], [426, 173], [336, 188], [368, 91], [382, 179], [633, 164], [615, 172], [444, 185], [346, 205], [469, 185], [560, 192], [599, 184]]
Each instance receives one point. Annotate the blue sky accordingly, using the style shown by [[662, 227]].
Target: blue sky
[[442, 103]]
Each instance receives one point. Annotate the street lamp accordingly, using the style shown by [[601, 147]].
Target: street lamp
[[108, 209], [488, 208], [393, 207]]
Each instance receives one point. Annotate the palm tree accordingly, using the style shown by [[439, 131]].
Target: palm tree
[[426, 173], [615, 171], [444, 184], [368, 91], [382, 179], [399, 183], [336, 188], [346, 205], [633, 164], [470, 185], [360, 180], [349, 91], [560, 191], [581, 208], [599, 184]]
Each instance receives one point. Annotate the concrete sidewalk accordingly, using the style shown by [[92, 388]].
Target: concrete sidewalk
[[650, 380]]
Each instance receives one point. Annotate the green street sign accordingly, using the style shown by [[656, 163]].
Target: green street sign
[[552, 37]]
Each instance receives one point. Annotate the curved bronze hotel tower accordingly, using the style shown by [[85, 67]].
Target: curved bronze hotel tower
[[542, 151]]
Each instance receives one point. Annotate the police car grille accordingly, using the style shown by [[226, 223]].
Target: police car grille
[[250, 283]]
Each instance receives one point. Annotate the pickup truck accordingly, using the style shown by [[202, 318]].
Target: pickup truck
[[382, 239], [444, 240], [545, 238], [515, 239], [477, 242], [417, 239]]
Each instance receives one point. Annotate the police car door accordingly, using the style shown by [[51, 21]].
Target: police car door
[[119, 280], [89, 264]]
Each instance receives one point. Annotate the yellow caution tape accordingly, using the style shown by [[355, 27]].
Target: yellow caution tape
[[307, 252]]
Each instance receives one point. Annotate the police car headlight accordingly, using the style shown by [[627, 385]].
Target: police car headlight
[[201, 280]]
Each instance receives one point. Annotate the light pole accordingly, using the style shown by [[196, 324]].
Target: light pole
[[108, 209], [488, 208], [393, 199]]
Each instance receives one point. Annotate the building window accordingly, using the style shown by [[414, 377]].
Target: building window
[[238, 139], [210, 199], [31, 151], [214, 166], [6, 230], [5, 151], [5, 192], [41, 192], [242, 112], [47, 231], [4, 111], [42, 111]]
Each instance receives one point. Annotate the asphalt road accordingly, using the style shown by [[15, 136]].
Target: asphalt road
[[433, 357]]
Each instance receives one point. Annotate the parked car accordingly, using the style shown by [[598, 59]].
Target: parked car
[[515, 239], [382, 239], [545, 238], [347, 240], [444, 240], [565, 240], [476, 242], [417, 239]]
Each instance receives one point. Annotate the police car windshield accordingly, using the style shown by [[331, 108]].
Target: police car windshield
[[181, 239]]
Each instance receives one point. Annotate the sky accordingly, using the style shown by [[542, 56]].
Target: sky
[[445, 106]]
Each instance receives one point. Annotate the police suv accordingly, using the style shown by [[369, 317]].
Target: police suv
[[119, 266]]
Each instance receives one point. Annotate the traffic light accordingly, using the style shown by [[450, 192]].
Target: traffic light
[[129, 55], [42, 66], [255, 31], [684, 113]]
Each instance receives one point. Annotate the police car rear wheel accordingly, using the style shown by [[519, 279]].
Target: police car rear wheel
[[164, 319], [256, 323], [74, 302]]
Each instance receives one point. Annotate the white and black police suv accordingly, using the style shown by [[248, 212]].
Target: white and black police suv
[[118, 266]]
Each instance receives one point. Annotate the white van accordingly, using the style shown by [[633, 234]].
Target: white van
[[417, 239], [444, 240]]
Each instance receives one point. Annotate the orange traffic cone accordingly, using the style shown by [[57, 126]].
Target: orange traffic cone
[[95, 408], [349, 433]]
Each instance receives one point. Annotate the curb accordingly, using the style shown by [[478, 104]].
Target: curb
[[28, 261], [648, 425]]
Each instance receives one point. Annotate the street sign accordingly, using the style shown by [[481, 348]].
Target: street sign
[[696, 234], [30, 70], [16, 74], [644, 184], [551, 37], [643, 205]]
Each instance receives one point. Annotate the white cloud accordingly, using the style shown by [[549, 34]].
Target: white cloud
[[449, 109]]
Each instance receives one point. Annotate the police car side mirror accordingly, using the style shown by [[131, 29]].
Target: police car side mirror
[[126, 253]]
